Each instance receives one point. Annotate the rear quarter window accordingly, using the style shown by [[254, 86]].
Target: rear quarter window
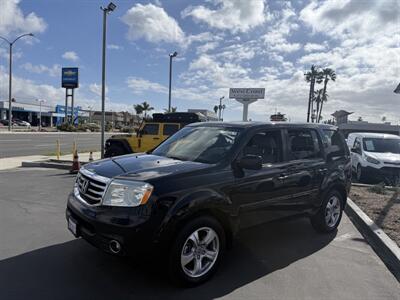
[[170, 129], [334, 142]]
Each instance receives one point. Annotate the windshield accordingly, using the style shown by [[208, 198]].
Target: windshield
[[381, 145], [200, 144]]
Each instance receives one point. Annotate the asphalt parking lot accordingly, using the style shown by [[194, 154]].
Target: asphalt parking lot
[[40, 259]]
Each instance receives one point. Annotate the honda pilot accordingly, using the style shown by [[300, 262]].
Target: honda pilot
[[190, 196]]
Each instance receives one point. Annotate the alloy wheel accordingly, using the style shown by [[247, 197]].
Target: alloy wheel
[[200, 252], [332, 211]]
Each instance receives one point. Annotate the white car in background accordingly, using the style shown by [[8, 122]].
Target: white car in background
[[375, 156]]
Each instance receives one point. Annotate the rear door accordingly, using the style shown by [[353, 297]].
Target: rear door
[[306, 168]]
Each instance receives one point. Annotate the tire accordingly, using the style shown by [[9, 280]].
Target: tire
[[328, 217], [114, 150], [186, 256]]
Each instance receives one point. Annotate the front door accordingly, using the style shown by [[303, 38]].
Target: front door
[[150, 137], [261, 195]]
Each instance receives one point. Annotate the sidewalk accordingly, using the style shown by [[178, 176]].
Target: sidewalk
[[15, 162]]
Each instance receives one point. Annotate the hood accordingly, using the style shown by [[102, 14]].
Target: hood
[[385, 157], [142, 166]]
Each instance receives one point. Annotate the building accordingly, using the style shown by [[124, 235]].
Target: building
[[210, 115], [346, 126]]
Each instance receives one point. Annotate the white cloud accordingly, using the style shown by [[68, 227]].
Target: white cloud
[[343, 19], [96, 89], [54, 70], [70, 55], [233, 15], [311, 47], [152, 23], [114, 47], [12, 19], [140, 85]]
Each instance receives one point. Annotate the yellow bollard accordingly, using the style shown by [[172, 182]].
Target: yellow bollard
[[58, 149]]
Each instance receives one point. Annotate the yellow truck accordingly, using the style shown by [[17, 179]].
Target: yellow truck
[[150, 134]]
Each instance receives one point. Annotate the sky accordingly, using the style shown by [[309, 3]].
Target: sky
[[220, 44]]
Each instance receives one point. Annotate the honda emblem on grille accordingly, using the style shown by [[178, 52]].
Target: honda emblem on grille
[[84, 185]]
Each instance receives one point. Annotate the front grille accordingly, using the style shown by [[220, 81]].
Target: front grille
[[90, 189], [392, 163]]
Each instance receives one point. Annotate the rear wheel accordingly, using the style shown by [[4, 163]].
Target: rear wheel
[[330, 213], [196, 251]]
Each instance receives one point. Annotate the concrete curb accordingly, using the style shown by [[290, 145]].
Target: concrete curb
[[45, 164], [389, 187], [384, 246]]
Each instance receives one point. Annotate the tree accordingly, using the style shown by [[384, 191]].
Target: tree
[[146, 108], [173, 109], [313, 76], [384, 119], [327, 74], [216, 108], [138, 109], [318, 98]]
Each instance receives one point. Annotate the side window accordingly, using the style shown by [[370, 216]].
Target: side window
[[151, 129], [303, 144], [333, 142], [267, 144], [170, 129]]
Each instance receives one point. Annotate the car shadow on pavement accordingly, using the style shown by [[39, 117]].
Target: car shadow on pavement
[[76, 270]]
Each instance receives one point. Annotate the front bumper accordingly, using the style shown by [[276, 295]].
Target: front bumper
[[384, 173], [100, 225]]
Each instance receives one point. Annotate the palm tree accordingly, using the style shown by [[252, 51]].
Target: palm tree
[[173, 109], [216, 108], [138, 109], [327, 74], [146, 108], [312, 76], [318, 98]]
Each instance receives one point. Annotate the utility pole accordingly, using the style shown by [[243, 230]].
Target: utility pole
[[171, 55], [111, 6], [40, 113], [10, 76]]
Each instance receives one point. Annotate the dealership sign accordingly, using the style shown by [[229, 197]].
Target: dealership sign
[[247, 93], [69, 78]]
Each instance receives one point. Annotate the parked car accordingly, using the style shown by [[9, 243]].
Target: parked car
[[189, 197], [5, 123], [22, 123], [375, 156], [150, 133]]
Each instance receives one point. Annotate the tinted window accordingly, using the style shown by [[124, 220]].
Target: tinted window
[[333, 142], [268, 145], [303, 144], [170, 129], [151, 129]]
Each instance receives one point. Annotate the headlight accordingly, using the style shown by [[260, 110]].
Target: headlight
[[127, 193], [372, 160]]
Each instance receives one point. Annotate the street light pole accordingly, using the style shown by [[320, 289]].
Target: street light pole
[[40, 113], [10, 77], [220, 108], [171, 55], [111, 6]]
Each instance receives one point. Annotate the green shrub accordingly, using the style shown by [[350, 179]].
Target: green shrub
[[66, 127], [378, 189]]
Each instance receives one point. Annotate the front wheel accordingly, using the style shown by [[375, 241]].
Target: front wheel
[[196, 251], [330, 213]]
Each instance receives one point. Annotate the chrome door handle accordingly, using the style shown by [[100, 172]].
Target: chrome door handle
[[282, 177]]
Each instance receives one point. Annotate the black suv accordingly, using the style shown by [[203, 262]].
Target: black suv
[[190, 196]]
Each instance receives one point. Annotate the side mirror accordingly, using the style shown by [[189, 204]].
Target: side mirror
[[355, 150], [251, 162]]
